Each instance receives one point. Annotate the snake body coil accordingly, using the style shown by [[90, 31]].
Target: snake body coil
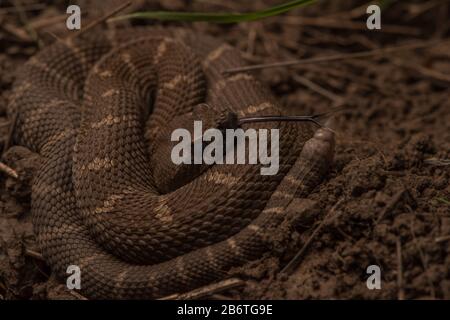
[[96, 201]]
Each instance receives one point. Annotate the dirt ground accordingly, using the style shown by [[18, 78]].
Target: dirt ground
[[386, 201]]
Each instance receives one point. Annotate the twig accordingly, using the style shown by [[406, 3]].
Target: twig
[[391, 205], [293, 264], [8, 171], [47, 21], [206, 290], [17, 32], [337, 57], [423, 260], [4, 124], [347, 24], [101, 19], [30, 7], [401, 291], [34, 254], [55, 37], [442, 239], [352, 13], [218, 296], [443, 200], [320, 90], [427, 72], [418, 9], [24, 20], [77, 295], [437, 162], [252, 34]]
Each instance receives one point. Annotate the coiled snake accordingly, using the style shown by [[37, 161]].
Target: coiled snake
[[97, 200]]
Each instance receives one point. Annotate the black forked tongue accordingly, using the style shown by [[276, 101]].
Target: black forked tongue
[[318, 119]]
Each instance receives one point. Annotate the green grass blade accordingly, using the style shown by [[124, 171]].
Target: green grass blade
[[216, 17]]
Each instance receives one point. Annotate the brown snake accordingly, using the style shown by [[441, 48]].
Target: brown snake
[[97, 200]]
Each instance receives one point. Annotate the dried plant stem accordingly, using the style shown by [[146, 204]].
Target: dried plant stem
[[337, 100], [101, 19], [207, 290], [34, 254], [294, 263], [337, 57], [8, 171], [401, 291]]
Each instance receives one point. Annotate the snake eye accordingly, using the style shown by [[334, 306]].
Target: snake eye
[[231, 121]]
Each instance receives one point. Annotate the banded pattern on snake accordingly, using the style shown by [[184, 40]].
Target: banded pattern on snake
[[106, 197]]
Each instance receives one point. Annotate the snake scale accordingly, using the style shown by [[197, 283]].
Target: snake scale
[[97, 109]]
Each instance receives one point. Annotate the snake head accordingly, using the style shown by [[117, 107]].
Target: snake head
[[218, 118]]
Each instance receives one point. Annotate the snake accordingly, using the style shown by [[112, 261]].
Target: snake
[[99, 109]]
